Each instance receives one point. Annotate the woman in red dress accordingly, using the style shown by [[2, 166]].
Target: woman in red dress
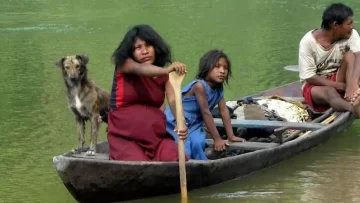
[[136, 123]]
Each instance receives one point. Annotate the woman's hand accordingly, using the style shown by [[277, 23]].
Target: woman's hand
[[182, 133], [180, 68]]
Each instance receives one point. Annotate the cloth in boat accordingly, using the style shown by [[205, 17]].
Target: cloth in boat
[[249, 109], [286, 109], [195, 144], [136, 124], [308, 99]]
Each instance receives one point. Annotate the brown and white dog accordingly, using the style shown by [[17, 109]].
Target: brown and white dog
[[86, 100]]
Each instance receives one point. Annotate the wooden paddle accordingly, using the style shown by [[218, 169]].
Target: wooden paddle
[[175, 81]]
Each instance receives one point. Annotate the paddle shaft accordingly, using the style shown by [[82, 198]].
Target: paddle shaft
[[180, 124]]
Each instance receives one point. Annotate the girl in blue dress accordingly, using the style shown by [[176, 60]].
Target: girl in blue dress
[[199, 97]]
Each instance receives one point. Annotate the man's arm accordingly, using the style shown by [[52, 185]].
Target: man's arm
[[307, 68], [353, 66], [356, 70], [354, 44], [322, 81]]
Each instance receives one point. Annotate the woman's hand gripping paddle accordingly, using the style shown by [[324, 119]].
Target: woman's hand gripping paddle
[[175, 80]]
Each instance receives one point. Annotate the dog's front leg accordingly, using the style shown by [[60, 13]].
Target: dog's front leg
[[80, 126], [94, 134]]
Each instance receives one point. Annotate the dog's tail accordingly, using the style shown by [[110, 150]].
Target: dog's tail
[[104, 116], [104, 97]]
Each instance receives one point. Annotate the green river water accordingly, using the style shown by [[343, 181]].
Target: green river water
[[260, 37]]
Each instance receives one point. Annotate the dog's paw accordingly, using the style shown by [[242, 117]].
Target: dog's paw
[[76, 150], [90, 153], [100, 120]]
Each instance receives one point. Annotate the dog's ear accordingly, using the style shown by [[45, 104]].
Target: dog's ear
[[83, 58], [60, 62]]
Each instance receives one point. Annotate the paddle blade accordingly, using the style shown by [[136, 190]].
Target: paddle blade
[[293, 68], [175, 80]]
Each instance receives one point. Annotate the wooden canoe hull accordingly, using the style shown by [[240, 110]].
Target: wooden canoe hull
[[101, 180]]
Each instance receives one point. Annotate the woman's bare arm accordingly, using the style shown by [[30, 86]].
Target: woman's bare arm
[[149, 70]]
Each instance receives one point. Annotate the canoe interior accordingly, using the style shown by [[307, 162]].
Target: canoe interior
[[103, 148], [289, 91]]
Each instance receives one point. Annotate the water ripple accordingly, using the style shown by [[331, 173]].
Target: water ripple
[[43, 27], [239, 194]]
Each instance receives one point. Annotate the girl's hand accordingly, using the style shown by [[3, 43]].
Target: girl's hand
[[182, 133], [180, 68], [233, 138], [220, 145]]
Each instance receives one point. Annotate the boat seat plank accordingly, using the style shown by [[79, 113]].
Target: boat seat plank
[[270, 124], [298, 99], [102, 156], [252, 146]]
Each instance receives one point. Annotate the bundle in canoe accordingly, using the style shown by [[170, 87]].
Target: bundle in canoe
[[97, 179]]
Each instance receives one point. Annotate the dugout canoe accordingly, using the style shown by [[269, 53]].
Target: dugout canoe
[[97, 179]]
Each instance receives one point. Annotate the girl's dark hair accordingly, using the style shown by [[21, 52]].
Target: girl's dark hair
[[335, 13], [151, 37], [209, 60]]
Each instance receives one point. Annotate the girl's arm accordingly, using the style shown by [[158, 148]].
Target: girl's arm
[[201, 99], [225, 116]]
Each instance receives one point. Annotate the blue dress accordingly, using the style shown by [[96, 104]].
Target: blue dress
[[196, 141]]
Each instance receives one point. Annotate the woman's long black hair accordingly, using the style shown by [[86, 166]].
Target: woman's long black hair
[[146, 33]]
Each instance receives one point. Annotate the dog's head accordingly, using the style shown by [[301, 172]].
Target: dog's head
[[73, 68]]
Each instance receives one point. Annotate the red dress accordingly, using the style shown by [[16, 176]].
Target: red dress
[[136, 125]]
